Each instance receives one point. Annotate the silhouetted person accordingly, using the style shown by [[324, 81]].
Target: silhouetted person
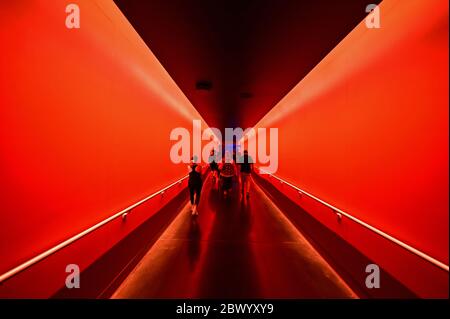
[[227, 172], [213, 166], [246, 171], [195, 184]]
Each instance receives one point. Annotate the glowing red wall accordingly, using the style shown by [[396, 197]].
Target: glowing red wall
[[85, 118], [367, 131]]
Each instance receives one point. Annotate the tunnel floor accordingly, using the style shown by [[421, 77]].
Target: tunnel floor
[[234, 248]]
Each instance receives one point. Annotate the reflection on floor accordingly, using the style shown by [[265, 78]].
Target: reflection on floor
[[235, 248]]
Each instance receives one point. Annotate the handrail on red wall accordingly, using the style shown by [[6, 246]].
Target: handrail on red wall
[[339, 213], [123, 213]]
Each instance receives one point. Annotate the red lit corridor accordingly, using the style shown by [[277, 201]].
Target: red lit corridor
[[356, 176], [234, 249]]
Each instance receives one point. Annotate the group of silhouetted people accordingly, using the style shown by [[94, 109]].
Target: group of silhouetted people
[[223, 173]]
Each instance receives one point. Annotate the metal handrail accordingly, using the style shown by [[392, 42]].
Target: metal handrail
[[72, 239], [341, 213]]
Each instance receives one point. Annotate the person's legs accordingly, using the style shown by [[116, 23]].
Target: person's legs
[[245, 177], [191, 197], [247, 184], [243, 182], [191, 194], [213, 175], [198, 191], [226, 185]]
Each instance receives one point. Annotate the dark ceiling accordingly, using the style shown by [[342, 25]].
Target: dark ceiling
[[252, 52]]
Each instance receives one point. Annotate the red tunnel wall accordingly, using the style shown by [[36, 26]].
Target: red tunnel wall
[[367, 131], [85, 120]]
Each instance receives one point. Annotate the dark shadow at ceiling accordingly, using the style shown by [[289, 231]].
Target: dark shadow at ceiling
[[252, 53]]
